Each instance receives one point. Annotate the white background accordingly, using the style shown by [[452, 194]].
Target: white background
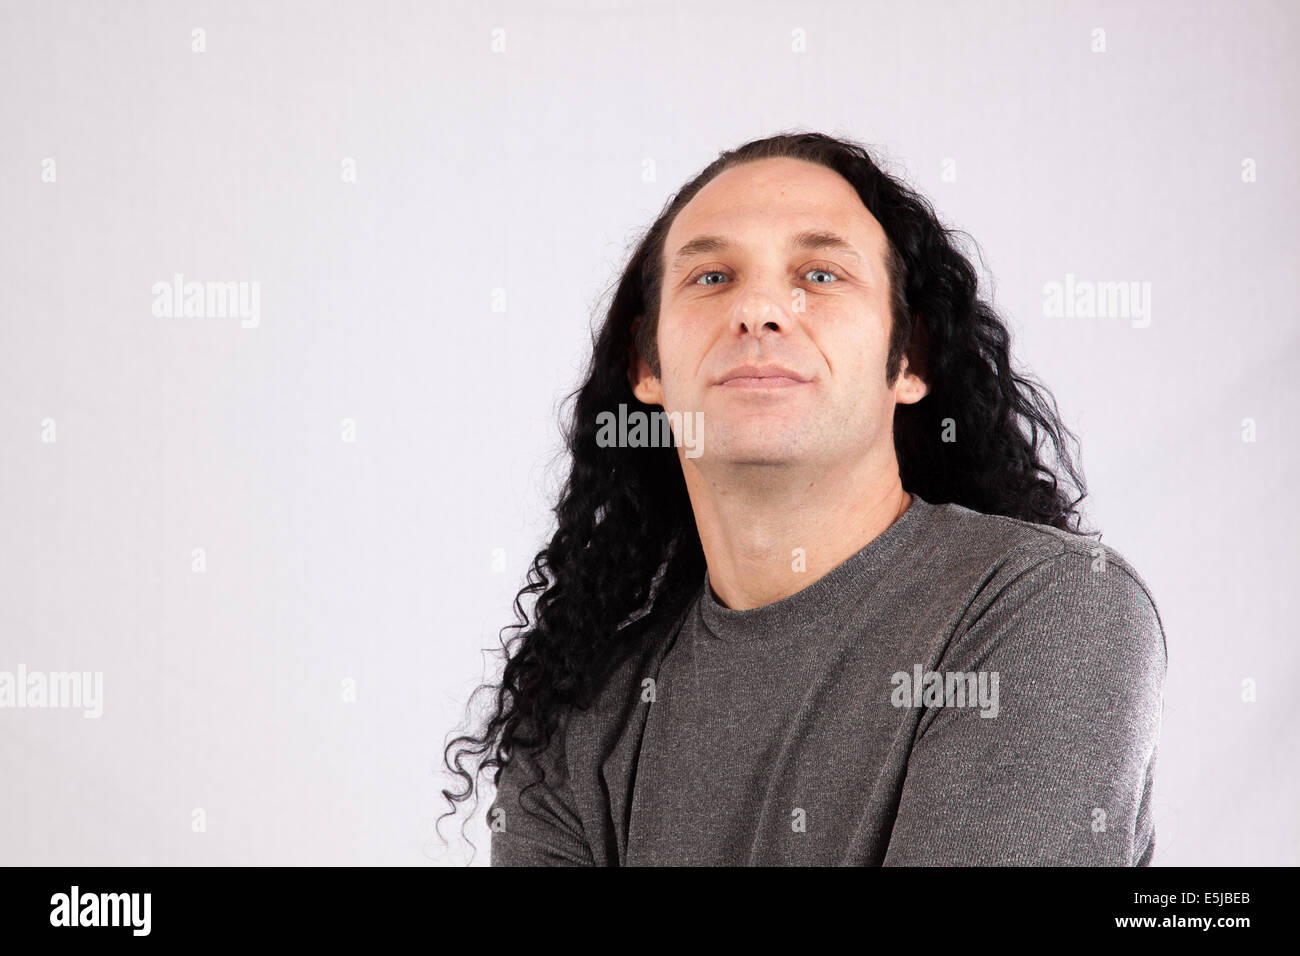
[[525, 170]]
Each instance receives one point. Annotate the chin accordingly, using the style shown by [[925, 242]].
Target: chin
[[772, 448]]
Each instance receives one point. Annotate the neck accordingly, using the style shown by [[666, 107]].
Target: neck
[[770, 531]]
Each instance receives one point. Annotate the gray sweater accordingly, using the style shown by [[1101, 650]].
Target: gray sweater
[[965, 690]]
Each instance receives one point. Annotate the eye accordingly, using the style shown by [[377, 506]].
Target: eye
[[830, 276], [711, 272]]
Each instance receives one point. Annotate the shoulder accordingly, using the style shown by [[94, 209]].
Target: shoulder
[[619, 702], [1065, 589], [1015, 546], [627, 683]]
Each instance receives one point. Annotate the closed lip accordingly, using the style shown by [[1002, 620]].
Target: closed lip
[[778, 374]]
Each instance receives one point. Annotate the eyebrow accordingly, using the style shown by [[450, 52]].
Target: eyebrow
[[808, 241]]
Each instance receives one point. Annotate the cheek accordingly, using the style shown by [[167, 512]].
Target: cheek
[[676, 354], [862, 344], [852, 353]]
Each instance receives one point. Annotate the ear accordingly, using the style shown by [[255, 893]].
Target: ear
[[913, 378], [645, 385]]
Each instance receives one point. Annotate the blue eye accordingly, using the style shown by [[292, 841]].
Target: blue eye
[[711, 272], [833, 277]]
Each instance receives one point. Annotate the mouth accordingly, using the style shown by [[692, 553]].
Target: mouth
[[761, 381], [761, 377]]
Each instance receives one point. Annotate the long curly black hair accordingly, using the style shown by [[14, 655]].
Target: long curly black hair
[[626, 556]]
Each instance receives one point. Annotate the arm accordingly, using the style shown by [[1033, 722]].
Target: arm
[[1062, 774], [534, 824]]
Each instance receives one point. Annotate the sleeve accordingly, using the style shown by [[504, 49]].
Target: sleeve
[[1058, 771], [532, 820]]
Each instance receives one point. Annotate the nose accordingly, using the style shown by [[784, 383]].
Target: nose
[[760, 309]]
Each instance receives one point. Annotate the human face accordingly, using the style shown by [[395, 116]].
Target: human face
[[777, 263]]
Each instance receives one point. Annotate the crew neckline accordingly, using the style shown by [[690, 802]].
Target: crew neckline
[[732, 626]]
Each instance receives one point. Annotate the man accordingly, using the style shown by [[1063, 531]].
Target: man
[[853, 627]]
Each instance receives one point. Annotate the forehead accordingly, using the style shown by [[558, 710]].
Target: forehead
[[777, 197]]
